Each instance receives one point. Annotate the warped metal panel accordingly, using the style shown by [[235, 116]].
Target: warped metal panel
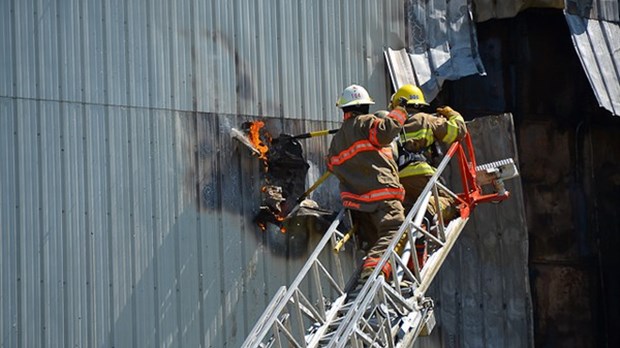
[[442, 46], [598, 46], [604, 10]]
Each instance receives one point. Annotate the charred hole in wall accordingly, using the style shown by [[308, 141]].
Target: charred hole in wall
[[224, 178], [286, 213], [569, 169]]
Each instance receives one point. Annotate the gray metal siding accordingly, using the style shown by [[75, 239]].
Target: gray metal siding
[[267, 58], [126, 209]]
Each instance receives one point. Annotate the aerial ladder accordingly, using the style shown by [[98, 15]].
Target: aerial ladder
[[319, 308]]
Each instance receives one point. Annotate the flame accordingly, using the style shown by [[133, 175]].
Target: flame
[[254, 136], [261, 140]]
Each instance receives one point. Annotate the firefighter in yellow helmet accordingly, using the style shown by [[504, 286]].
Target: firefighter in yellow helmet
[[420, 132], [361, 157]]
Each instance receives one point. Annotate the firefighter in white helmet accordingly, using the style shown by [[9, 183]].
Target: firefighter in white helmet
[[360, 156], [420, 132]]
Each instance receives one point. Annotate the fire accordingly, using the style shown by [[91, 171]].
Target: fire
[[271, 211], [255, 138], [280, 220]]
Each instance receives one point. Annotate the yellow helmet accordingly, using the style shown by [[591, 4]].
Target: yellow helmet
[[411, 93]]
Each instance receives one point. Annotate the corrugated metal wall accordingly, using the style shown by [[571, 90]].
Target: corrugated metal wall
[[126, 209], [268, 58]]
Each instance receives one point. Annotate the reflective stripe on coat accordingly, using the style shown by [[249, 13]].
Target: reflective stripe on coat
[[421, 130], [360, 156]]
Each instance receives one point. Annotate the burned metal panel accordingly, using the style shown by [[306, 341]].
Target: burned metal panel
[[564, 294], [600, 168], [572, 218], [442, 46], [566, 173], [489, 9], [482, 293], [597, 45], [564, 275]]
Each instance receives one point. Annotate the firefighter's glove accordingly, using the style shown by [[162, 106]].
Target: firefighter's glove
[[446, 112]]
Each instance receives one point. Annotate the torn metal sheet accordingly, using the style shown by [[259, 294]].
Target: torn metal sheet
[[605, 10], [597, 45], [442, 46]]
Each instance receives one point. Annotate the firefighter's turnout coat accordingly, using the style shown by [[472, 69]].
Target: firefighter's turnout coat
[[360, 156], [422, 129]]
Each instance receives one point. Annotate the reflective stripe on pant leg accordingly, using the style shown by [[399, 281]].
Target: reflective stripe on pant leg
[[369, 266]]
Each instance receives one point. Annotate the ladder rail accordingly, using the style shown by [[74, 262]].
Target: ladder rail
[[269, 320]]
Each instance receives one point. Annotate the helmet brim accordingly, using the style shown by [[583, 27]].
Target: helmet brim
[[355, 103], [416, 102]]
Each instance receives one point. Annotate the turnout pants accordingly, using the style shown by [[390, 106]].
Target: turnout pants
[[376, 230]]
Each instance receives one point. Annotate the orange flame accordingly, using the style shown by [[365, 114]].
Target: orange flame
[[254, 135], [261, 141]]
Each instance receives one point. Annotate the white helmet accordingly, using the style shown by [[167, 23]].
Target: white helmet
[[354, 95]]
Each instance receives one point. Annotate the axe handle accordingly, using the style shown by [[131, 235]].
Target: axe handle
[[314, 186], [345, 239], [308, 191], [315, 134]]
